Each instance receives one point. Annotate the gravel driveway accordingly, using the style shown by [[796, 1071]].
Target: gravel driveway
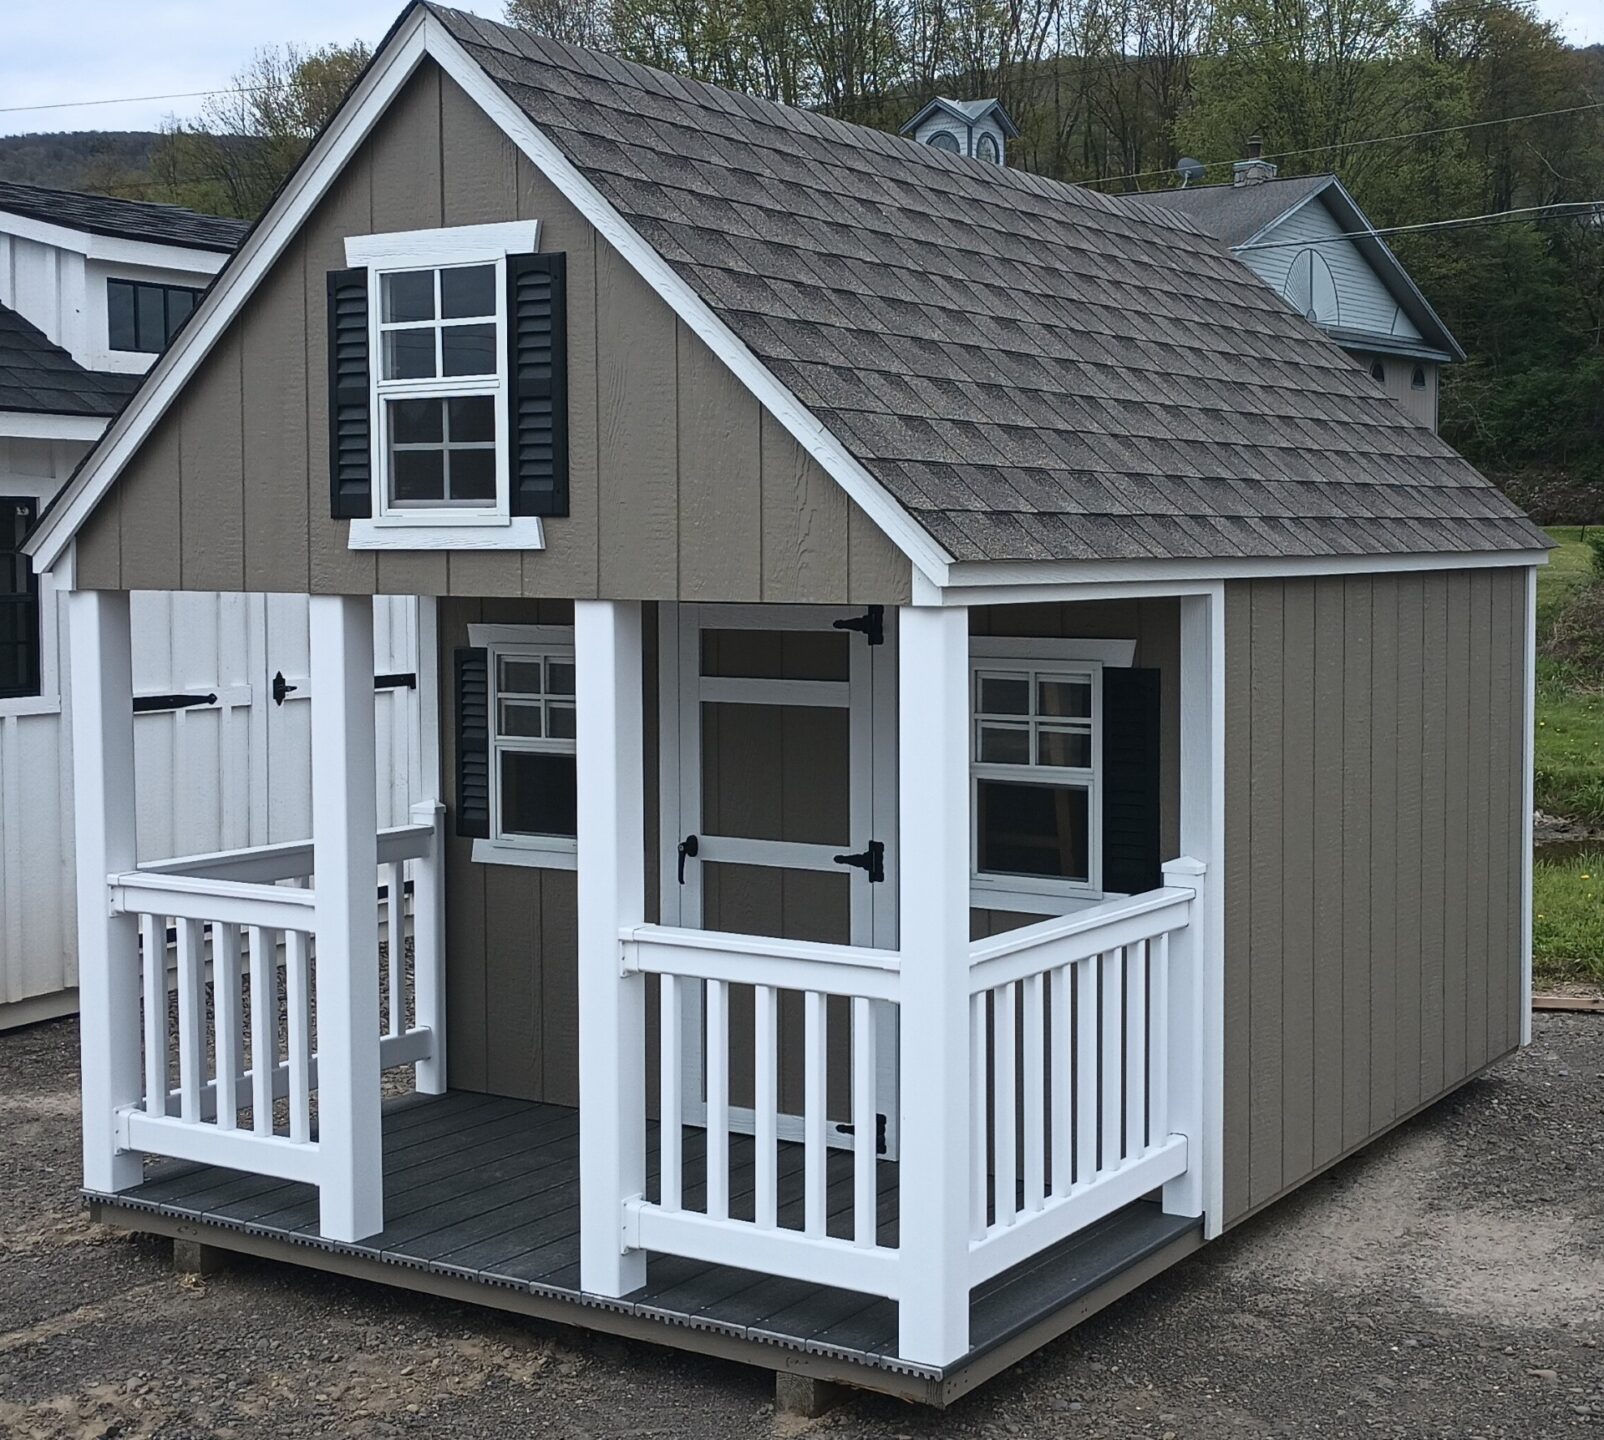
[[1450, 1282]]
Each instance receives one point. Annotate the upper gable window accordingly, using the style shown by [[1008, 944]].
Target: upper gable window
[[446, 365], [142, 317], [945, 140]]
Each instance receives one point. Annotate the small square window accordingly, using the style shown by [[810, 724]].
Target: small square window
[[408, 295], [1004, 695], [1042, 831]]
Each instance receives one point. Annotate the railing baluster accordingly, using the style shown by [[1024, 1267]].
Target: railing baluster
[[1158, 1104], [766, 1100], [1136, 1049], [865, 1130], [979, 1077], [670, 1129], [395, 899], [815, 1156], [1005, 1201], [191, 1017], [297, 1005], [1035, 1086], [1113, 1059], [1086, 1069], [264, 1026], [153, 948], [1063, 1081], [226, 1021], [718, 1100]]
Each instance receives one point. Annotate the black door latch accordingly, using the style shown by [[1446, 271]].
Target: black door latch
[[687, 851], [871, 624], [281, 689], [873, 860]]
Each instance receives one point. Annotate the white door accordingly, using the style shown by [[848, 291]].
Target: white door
[[778, 784]]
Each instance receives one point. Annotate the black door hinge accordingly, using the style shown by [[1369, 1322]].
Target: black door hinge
[[400, 680], [146, 704], [846, 1127], [871, 624], [873, 860], [281, 688]]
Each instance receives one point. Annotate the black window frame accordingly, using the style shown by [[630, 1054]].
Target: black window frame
[[18, 515], [170, 325]]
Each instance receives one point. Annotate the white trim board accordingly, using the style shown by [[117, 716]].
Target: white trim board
[[36, 425], [113, 249]]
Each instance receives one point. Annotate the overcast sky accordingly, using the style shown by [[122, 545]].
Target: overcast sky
[[75, 50]]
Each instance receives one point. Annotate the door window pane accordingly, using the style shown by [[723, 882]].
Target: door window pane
[[1035, 830]]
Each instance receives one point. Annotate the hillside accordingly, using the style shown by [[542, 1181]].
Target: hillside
[[100, 160]]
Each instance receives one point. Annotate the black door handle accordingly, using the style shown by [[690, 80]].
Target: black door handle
[[873, 860], [280, 689], [687, 850]]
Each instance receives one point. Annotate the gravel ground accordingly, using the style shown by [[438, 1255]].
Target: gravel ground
[[1449, 1282]]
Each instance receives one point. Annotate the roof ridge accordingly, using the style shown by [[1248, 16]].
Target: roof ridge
[[96, 195]]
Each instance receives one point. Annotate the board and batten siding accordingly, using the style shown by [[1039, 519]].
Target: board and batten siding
[[1373, 866], [682, 486]]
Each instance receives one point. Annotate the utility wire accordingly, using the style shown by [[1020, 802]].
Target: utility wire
[[134, 99], [1496, 217], [1371, 140]]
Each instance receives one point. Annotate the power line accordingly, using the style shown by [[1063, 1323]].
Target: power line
[[134, 99], [1496, 217], [1372, 140]]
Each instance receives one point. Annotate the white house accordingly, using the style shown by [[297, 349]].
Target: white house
[[91, 291]]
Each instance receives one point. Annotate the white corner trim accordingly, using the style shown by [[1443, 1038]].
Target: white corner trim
[[522, 532], [232, 287], [1528, 767], [899, 527], [30, 425], [456, 244], [533, 857], [1119, 653]]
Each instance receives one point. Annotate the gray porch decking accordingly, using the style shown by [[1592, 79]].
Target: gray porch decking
[[486, 1190]]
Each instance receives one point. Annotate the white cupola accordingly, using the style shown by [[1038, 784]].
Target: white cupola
[[980, 129]]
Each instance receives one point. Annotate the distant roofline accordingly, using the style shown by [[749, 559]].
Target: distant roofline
[[153, 209]]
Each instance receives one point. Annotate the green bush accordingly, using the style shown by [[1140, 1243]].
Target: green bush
[[1595, 543]]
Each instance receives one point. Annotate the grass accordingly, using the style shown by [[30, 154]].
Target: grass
[[1568, 893], [1568, 919]]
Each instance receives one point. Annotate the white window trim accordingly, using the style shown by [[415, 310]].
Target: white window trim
[[1022, 893], [542, 852], [447, 526]]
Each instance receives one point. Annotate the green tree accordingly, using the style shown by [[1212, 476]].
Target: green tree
[[231, 159]]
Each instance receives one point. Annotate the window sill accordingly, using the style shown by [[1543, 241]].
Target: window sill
[[987, 894], [489, 852], [29, 705], [522, 532]]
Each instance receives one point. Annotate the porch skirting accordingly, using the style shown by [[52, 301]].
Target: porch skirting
[[482, 1204]]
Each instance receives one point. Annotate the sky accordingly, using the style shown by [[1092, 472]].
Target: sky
[[75, 50]]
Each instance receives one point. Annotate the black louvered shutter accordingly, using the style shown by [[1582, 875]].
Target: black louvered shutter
[[537, 370], [473, 742], [350, 439], [1131, 753]]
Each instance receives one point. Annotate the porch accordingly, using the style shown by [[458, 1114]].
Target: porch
[[482, 1203], [895, 1133]]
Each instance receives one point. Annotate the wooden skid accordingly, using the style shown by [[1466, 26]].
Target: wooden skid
[[482, 1203]]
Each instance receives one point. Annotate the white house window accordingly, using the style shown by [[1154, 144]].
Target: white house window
[[533, 792], [437, 318]]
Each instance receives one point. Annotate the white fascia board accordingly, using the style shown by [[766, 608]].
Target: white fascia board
[[232, 288], [29, 425], [899, 527], [1007, 582], [114, 249]]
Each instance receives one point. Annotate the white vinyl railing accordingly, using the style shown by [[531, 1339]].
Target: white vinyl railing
[[698, 971], [1076, 1025], [244, 920]]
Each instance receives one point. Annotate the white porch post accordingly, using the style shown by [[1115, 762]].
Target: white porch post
[[429, 948], [612, 894], [1196, 1021], [345, 864], [108, 945], [933, 832]]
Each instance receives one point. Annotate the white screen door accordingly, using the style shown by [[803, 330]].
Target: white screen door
[[778, 778]]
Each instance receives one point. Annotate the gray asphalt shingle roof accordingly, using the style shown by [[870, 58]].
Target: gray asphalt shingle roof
[[124, 219], [43, 379], [1033, 371], [1236, 213]]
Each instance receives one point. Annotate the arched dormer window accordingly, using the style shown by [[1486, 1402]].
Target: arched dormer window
[[945, 140], [1417, 381], [986, 148], [1378, 371]]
